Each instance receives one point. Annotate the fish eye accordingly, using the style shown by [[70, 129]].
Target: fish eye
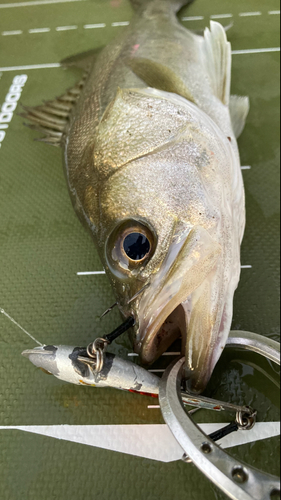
[[136, 246], [130, 245]]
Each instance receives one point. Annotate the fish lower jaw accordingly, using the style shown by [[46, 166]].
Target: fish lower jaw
[[157, 340]]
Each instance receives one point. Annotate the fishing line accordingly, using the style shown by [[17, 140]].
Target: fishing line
[[14, 321]]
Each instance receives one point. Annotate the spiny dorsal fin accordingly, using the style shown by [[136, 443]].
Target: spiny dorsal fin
[[52, 117], [218, 60], [239, 108], [84, 60], [158, 76]]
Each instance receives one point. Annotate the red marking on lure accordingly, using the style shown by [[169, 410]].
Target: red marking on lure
[[144, 393]]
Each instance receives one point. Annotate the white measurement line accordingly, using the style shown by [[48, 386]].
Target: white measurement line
[[249, 14], [132, 354], [255, 51], [31, 4], [93, 26], [66, 28], [39, 30], [153, 407], [246, 167], [221, 16], [121, 23], [192, 18], [89, 273], [15, 32], [246, 267], [31, 66], [225, 16]]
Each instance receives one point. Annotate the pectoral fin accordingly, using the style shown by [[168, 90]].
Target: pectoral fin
[[158, 76], [218, 60], [202, 31], [239, 109]]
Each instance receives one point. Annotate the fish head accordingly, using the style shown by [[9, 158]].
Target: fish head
[[163, 224]]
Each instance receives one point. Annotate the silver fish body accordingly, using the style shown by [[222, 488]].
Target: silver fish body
[[153, 171]]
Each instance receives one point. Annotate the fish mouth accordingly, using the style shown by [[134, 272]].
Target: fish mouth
[[179, 303]]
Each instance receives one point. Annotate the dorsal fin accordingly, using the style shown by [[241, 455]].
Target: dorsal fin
[[218, 60], [239, 108], [159, 76], [201, 32], [52, 117]]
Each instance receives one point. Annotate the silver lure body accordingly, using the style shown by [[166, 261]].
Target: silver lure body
[[62, 362]]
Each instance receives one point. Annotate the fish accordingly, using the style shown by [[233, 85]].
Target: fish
[[149, 140]]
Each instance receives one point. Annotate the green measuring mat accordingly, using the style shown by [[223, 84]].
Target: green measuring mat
[[52, 282]]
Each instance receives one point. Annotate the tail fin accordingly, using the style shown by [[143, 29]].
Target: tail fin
[[175, 4]]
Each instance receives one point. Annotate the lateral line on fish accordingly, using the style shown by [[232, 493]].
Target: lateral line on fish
[[17, 324]]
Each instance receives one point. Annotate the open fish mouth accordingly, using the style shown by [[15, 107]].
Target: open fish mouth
[[179, 303]]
